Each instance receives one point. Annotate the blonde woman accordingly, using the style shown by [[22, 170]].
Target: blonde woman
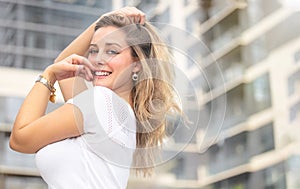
[[101, 132]]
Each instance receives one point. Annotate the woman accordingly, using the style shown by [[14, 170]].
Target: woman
[[93, 139]]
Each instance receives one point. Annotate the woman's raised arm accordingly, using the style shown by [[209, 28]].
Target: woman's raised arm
[[78, 46]]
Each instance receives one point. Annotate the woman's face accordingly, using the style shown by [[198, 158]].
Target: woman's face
[[115, 64]]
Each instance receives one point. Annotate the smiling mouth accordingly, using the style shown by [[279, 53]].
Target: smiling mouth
[[102, 73]]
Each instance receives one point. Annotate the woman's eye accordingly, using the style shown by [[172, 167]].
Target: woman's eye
[[112, 52], [93, 51]]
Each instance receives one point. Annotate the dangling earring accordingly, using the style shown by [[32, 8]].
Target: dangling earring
[[135, 76]]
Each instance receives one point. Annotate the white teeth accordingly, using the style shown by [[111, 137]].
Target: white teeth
[[102, 73]]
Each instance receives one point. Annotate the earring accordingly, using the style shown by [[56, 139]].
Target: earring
[[135, 76]]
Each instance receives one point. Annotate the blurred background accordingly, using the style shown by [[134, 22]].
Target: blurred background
[[244, 66]]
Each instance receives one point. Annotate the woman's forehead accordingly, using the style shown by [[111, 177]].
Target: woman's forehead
[[109, 35]]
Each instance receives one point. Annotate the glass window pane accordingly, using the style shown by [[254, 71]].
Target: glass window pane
[[261, 140], [294, 83], [258, 94], [19, 182]]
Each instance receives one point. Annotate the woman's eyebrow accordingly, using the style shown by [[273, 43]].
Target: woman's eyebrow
[[106, 44], [93, 45], [113, 43]]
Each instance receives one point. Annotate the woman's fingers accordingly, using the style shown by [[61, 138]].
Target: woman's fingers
[[80, 60], [72, 66], [138, 15], [84, 72], [84, 68], [88, 74]]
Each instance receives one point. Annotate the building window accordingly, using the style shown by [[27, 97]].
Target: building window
[[256, 51], [36, 63], [270, 178], [211, 121], [224, 32], [56, 17], [242, 101], [258, 95], [257, 10], [147, 6], [8, 36], [163, 17], [274, 177], [227, 154], [8, 10], [185, 166], [236, 111], [294, 83], [237, 182], [11, 105], [192, 21], [231, 65], [46, 41], [9, 108], [205, 11], [261, 140], [20, 182], [295, 112], [239, 149], [35, 40], [261, 47], [293, 164], [8, 59], [90, 3], [297, 57], [195, 54]]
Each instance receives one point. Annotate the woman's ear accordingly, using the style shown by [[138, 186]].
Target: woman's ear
[[137, 66]]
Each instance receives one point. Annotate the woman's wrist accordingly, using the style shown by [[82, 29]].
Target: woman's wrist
[[48, 81], [49, 75]]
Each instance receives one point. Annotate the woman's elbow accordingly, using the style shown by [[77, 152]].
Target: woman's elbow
[[16, 144], [13, 143]]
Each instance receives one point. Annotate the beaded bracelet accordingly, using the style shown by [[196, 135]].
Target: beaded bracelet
[[48, 84]]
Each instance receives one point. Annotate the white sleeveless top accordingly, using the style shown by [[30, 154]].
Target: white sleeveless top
[[101, 157]]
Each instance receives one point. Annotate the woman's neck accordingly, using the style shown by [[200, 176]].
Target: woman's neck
[[126, 96]]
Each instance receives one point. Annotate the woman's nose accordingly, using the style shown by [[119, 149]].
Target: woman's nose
[[100, 59]]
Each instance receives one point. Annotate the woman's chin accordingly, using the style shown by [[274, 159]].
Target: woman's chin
[[101, 84]]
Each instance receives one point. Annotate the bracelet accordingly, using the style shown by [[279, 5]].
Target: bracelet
[[48, 84]]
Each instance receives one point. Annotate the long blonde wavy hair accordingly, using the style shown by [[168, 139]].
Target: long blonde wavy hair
[[153, 95]]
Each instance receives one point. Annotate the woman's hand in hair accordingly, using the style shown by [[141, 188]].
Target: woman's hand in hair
[[136, 14], [71, 66]]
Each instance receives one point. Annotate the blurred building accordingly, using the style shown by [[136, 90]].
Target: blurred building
[[241, 58]]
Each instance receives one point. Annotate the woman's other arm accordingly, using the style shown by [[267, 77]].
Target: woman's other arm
[[33, 129]]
